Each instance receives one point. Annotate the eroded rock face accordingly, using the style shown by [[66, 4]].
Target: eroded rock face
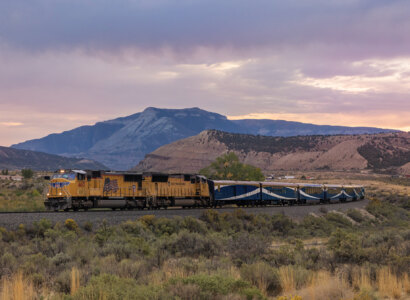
[[336, 153]]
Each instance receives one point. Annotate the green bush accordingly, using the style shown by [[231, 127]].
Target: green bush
[[27, 173], [213, 286], [40, 227], [261, 273], [107, 286], [345, 246], [192, 244]]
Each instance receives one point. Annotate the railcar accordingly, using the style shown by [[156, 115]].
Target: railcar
[[333, 193], [279, 193], [236, 192], [312, 193], [79, 189]]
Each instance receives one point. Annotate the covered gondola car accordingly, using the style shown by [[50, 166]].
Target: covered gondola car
[[279, 193], [236, 192], [353, 192], [333, 192], [311, 193]]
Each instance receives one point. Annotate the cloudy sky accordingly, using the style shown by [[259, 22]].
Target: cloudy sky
[[66, 63]]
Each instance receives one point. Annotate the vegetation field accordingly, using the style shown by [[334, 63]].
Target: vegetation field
[[362, 254], [26, 195]]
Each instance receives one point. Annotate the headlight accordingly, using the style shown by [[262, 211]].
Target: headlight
[[60, 194], [48, 194]]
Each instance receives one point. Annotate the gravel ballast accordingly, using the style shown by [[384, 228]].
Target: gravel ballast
[[12, 220]]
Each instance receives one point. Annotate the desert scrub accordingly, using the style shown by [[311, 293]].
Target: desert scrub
[[22, 196]]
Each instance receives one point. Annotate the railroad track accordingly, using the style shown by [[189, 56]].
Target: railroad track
[[11, 220]]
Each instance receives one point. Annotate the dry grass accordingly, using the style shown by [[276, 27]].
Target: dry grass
[[287, 279], [322, 285], [389, 285], [361, 279], [16, 288], [75, 280]]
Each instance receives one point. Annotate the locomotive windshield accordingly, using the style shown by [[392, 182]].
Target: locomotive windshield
[[68, 176]]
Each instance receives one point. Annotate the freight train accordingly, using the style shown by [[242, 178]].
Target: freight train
[[79, 189]]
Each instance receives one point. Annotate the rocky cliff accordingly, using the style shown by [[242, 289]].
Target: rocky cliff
[[388, 152]]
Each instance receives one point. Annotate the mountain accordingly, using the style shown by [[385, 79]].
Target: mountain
[[121, 143], [388, 152], [13, 159]]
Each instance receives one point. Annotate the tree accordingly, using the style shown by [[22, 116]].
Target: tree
[[229, 167], [27, 173], [5, 172]]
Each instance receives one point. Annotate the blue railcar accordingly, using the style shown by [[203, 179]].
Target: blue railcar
[[361, 190], [236, 192], [333, 193], [311, 193], [279, 193], [353, 192]]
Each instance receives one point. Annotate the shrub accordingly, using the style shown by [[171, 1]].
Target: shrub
[[356, 215], [70, 224], [193, 225], [88, 226], [345, 246], [61, 259], [107, 286], [245, 248], [27, 173], [213, 286], [192, 244], [8, 263], [103, 233], [40, 227], [261, 275], [147, 220], [281, 224]]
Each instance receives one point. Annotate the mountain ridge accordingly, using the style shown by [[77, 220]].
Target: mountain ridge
[[122, 142], [13, 159], [386, 152]]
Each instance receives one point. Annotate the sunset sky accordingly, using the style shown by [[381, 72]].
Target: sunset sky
[[66, 63]]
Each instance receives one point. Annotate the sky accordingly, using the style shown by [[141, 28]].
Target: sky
[[67, 63]]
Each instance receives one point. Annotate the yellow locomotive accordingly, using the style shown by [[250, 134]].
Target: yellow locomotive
[[78, 189]]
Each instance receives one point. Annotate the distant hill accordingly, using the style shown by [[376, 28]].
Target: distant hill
[[121, 143], [19, 159], [388, 152]]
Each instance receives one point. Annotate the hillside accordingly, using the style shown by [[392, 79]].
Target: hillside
[[121, 143], [19, 159], [388, 152]]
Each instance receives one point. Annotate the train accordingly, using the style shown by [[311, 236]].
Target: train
[[87, 189]]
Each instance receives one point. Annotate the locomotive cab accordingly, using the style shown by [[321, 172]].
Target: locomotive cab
[[63, 187]]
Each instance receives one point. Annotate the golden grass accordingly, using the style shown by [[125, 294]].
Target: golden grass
[[16, 288], [361, 279], [287, 279], [389, 285], [75, 280], [322, 285]]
